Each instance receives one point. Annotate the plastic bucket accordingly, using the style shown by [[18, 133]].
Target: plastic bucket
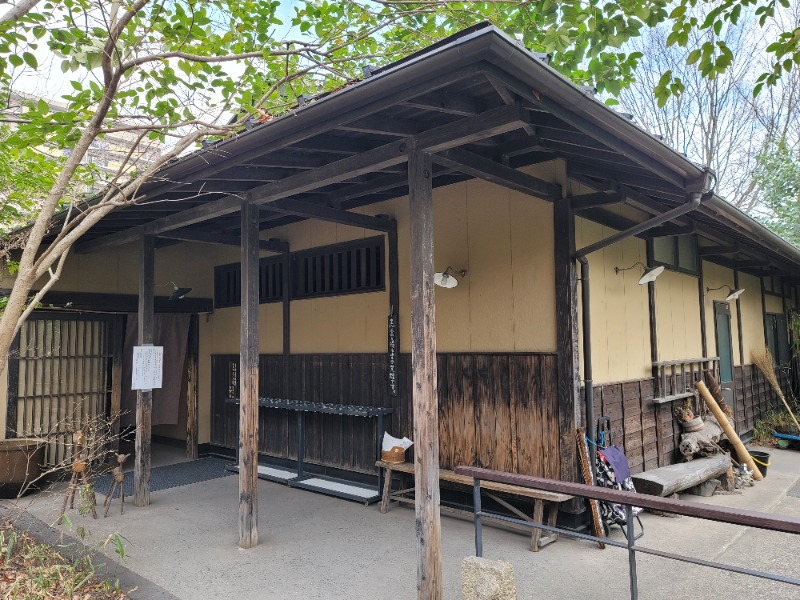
[[761, 459]]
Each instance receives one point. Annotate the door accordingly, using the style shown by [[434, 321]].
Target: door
[[722, 322], [60, 379]]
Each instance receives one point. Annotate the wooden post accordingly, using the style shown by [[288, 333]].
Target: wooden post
[[568, 369], [701, 290], [741, 353], [192, 401], [423, 364], [118, 336], [144, 399], [286, 258], [248, 382]]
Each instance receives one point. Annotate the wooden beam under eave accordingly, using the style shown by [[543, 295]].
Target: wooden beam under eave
[[144, 398], [483, 168], [313, 210], [423, 362], [248, 381], [594, 200], [221, 240], [464, 131]]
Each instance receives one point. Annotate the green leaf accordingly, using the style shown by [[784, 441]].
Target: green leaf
[[30, 60]]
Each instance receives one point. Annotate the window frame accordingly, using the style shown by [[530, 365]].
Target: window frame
[[675, 265]]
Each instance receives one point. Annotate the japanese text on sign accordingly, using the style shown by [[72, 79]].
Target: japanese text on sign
[[148, 367]]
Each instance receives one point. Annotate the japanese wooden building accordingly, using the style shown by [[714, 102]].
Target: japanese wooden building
[[300, 237]]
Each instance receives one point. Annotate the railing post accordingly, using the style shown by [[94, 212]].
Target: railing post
[[476, 498], [631, 552]]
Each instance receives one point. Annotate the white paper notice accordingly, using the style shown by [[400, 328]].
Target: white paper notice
[[148, 366]]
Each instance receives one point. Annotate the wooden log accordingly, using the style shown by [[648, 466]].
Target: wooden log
[[424, 395], [741, 451], [666, 481], [144, 398], [703, 442], [248, 382]]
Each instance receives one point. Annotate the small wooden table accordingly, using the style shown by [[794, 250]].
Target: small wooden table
[[539, 539]]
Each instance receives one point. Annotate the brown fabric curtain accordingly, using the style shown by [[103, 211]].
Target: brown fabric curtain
[[172, 332]]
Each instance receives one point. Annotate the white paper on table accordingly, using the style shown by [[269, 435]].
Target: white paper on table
[[390, 442]]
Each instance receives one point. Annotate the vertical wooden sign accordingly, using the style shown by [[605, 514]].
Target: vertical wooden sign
[[393, 356]]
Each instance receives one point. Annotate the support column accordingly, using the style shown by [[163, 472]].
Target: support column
[[192, 399], [248, 382], [144, 398], [286, 265], [423, 364], [568, 368]]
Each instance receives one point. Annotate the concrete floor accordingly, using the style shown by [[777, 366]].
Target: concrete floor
[[314, 546]]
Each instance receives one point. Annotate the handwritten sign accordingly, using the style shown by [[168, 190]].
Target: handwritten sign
[[148, 367], [393, 356]]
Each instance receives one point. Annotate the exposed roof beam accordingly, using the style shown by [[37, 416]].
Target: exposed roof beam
[[502, 90], [382, 126], [334, 215], [447, 103], [182, 235], [483, 168], [752, 264], [464, 131], [718, 250], [594, 200], [668, 230], [583, 124]]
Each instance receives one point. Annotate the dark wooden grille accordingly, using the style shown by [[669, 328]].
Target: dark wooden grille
[[349, 268], [228, 283]]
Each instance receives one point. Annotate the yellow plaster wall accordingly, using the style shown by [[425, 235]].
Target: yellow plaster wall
[[677, 316], [619, 306], [752, 315], [715, 276]]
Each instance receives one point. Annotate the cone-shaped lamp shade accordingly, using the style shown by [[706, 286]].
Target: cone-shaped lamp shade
[[734, 295], [179, 293], [650, 275], [445, 280]]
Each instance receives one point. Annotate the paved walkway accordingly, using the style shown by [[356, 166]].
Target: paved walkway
[[313, 546]]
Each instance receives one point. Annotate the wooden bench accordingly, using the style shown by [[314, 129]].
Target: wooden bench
[[539, 538]]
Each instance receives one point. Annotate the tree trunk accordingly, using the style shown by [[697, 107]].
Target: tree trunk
[[666, 481]]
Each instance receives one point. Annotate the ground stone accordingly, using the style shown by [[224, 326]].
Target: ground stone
[[483, 579]]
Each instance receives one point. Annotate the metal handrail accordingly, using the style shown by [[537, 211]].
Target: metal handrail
[[733, 516]]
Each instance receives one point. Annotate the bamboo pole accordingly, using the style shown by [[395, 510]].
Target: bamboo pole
[[744, 455]]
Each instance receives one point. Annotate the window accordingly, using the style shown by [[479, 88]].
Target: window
[[348, 268], [773, 285], [678, 252], [228, 282], [778, 338]]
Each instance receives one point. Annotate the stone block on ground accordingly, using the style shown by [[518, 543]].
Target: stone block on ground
[[483, 579]]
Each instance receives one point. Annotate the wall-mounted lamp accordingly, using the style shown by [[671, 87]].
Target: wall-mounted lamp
[[177, 292], [734, 294], [447, 279], [648, 275]]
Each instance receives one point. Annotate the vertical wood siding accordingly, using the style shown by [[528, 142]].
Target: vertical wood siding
[[648, 432], [495, 410]]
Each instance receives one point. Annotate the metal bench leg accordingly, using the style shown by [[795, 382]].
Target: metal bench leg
[[387, 490], [538, 514]]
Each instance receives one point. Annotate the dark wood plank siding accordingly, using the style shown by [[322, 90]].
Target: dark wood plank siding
[[648, 432], [499, 411]]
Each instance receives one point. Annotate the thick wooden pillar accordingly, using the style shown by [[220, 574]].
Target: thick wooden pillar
[[144, 398], [286, 262], [248, 382], [568, 369], [423, 364], [192, 400]]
